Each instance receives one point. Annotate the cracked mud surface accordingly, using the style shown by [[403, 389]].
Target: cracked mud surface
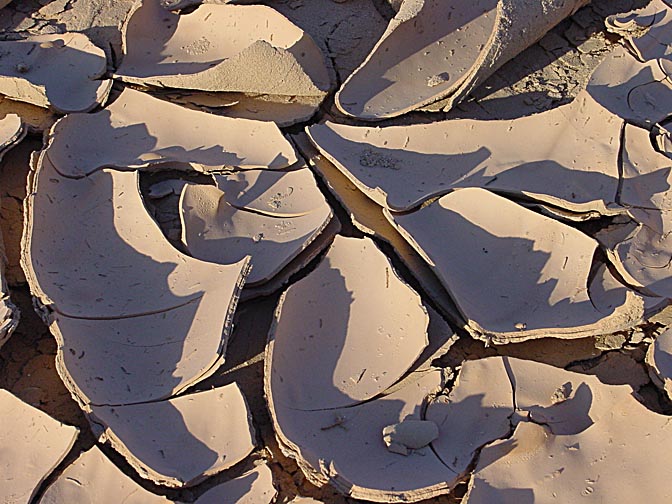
[[550, 73]]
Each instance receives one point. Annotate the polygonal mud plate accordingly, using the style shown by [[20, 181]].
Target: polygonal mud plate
[[94, 478], [641, 251], [365, 329], [538, 270], [344, 446], [183, 440], [32, 444], [647, 31], [567, 157], [639, 92], [272, 216], [137, 130], [250, 49], [571, 442], [354, 305], [150, 344], [31, 71], [253, 487]]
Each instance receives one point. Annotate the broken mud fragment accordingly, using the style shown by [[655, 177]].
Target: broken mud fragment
[[143, 357], [282, 110], [135, 319], [409, 435], [369, 218], [439, 49], [538, 269], [99, 21], [148, 344], [566, 157], [647, 174], [94, 478], [253, 487], [32, 445], [331, 417], [137, 130], [355, 305], [180, 441], [296, 265], [121, 250], [476, 412], [344, 446], [571, 442], [647, 31], [31, 71], [640, 93], [251, 49], [36, 119], [271, 216], [641, 250]]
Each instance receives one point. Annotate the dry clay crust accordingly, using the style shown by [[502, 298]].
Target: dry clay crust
[[124, 349], [538, 270], [32, 444], [180, 441], [94, 478], [31, 71], [272, 216], [98, 215], [572, 438], [643, 254], [250, 49], [365, 329], [135, 319], [647, 31], [434, 49], [138, 131], [369, 218], [638, 92], [250, 54], [566, 157]]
